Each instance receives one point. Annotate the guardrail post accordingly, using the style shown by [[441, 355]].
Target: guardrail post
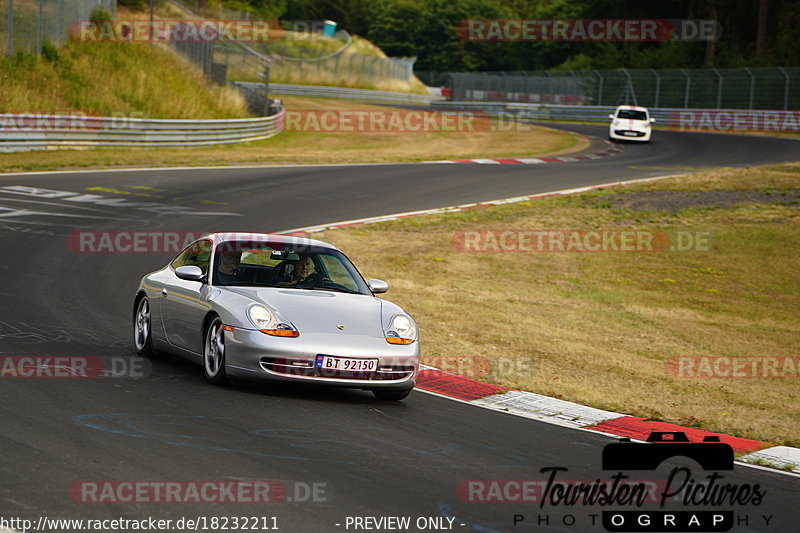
[[265, 75]]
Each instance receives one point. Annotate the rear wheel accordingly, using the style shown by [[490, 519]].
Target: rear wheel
[[142, 330], [391, 394], [214, 353]]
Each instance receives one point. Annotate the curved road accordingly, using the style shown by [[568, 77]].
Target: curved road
[[368, 458]]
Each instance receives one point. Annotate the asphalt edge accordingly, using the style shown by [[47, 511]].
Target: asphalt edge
[[751, 453]]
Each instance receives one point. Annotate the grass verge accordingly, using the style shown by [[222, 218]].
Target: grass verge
[[306, 147], [601, 329], [113, 79]]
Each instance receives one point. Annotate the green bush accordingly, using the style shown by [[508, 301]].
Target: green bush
[[49, 51], [99, 15]]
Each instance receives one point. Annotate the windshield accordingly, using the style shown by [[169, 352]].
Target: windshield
[[631, 114], [285, 265]]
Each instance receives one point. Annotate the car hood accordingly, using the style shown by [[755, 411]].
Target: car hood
[[321, 311]]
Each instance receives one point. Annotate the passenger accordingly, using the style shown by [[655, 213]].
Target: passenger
[[228, 267]]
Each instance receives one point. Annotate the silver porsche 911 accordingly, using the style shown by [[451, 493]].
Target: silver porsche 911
[[274, 307]]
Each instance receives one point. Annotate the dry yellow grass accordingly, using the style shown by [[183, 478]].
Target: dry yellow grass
[[314, 147], [600, 328]]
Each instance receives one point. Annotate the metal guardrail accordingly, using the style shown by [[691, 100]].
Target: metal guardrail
[[665, 116], [323, 91], [21, 133]]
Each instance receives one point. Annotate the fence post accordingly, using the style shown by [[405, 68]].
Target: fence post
[[688, 86], [599, 88], [39, 28], [785, 89], [658, 87], [719, 88], [575, 89], [752, 87], [10, 42], [629, 86]]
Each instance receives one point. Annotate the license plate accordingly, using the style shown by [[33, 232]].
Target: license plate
[[629, 133], [327, 362]]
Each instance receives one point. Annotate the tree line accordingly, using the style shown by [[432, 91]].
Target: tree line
[[753, 32]]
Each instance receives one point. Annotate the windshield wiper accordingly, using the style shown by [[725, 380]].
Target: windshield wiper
[[337, 289]]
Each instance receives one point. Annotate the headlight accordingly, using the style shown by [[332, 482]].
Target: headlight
[[266, 322], [402, 330]]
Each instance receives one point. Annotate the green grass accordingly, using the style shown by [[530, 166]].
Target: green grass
[[108, 79]]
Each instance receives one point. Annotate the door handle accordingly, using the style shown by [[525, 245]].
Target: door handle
[[164, 292]]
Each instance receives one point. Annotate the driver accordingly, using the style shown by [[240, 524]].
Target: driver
[[302, 273]]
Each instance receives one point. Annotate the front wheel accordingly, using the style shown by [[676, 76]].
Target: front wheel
[[391, 394], [142, 329], [214, 353]]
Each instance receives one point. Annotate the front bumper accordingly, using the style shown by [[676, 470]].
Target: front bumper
[[256, 355], [629, 135]]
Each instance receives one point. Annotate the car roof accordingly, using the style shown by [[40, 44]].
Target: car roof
[[631, 108], [220, 237]]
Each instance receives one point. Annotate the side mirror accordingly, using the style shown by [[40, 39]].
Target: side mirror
[[611, 116], [652, 119], [378, 286], [189, 273]]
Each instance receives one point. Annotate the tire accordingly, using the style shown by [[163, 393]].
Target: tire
[[214, 353], [391, 394], [142, 329]]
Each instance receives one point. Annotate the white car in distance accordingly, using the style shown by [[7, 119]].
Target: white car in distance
[[630, 123]]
